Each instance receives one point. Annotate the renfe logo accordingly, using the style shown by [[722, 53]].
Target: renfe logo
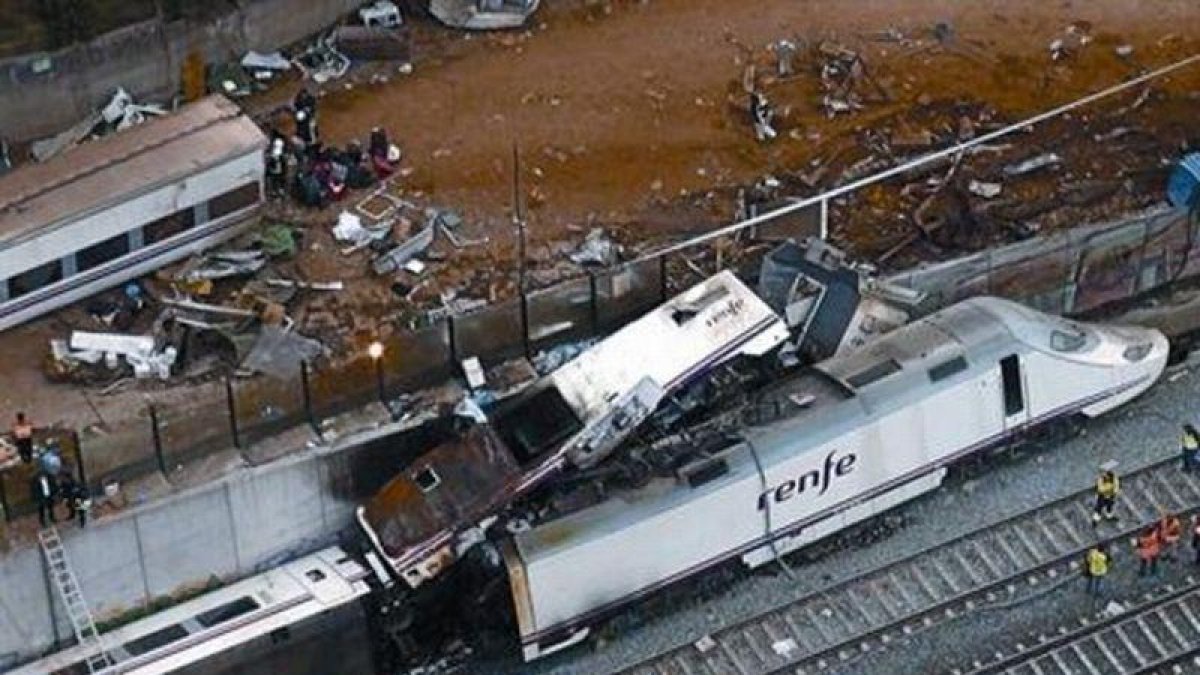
[[817, 478]]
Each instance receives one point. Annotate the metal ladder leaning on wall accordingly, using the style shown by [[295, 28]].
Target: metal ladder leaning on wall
[[78, 611]]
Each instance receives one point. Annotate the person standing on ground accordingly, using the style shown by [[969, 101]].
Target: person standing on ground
[[1170, 530], [1108, 486], [75, 496], [22, 433], [1189, 448], [45, 490], [1096, 567], [1148, 549]]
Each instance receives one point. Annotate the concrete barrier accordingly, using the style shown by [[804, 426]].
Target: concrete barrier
[[45, 92]]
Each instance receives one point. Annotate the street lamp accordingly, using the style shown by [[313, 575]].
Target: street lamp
[[375, 351]]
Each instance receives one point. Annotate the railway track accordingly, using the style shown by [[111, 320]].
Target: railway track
[[829, 630], [1159, 635]]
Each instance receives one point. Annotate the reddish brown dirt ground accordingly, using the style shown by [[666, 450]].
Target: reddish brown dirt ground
[[617, 113], [631, 115]]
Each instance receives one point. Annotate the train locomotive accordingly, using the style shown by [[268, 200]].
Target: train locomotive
[[844, 440]]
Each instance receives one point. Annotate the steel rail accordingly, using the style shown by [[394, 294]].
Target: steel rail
[[825, 628]]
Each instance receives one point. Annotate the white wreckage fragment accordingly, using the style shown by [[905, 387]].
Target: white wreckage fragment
[[139, 351]]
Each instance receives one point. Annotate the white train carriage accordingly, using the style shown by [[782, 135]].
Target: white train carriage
[[223, 630], [119, 207], [855, 435], [427, 515]]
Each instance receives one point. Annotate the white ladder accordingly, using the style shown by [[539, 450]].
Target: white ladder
[[78, 612]]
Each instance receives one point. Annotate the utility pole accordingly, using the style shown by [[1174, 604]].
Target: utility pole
[[519, 218], [519, 223]]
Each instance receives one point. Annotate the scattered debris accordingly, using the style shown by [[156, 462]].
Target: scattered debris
[[367, 43], [141, 352], [322, 62], [279, 353], [309, 285], [984, 189], [483, 14], [473, 372], [785, 52], [1124, 51], [784, 647], [705, 644], [597, 249], [223, 265], [1032, 164], [273, 61], [381, 14], [396, 258]]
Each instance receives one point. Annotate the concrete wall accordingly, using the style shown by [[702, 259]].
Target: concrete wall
[[241, 525], [43, 93]]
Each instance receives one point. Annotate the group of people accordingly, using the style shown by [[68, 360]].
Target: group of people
[[1160, 540], [51, 484], [323, 173]]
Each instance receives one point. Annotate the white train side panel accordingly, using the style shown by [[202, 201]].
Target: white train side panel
[[923, 397]]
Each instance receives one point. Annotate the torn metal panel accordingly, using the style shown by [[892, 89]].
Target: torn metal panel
[[394, 259], [483, 14], [834, 304], [279, 353], [697, 330], [456, 482]]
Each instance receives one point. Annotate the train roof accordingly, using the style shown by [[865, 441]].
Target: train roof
[[99, 173], [803, 412], [224, 618]]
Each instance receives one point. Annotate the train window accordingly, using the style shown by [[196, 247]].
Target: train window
[[227, 611], [873, 374], [169, 226], [1010, 372], [426, 479], [1063, 341], [234, 200], [159, 638], [947, 368], [98, 254], [38, 277], [77, 668]]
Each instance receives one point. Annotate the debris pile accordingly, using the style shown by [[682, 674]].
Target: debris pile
[[121, 112]]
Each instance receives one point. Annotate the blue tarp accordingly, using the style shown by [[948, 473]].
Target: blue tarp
[[1183, 188]]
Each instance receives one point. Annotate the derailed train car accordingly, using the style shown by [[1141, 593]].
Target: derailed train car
[[851, 437], [443, 504]]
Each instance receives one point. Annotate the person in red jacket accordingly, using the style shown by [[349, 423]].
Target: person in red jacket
[[1148, 548]]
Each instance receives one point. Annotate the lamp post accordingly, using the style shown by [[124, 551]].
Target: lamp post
[[375, 351]]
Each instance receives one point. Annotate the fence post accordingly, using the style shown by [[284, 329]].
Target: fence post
[[453, 340], [662, 279], [594, 305], [525, 324], [233, 425], [158, 451], [4, 500], [308, 408], [79, 459]]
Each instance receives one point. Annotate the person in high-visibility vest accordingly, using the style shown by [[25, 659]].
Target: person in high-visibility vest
[[1148, 546], [1170, 530], [1107, 488], [1096, 567], [1189, 448]]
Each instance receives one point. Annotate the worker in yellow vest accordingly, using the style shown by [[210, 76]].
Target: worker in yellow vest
[[1108, 486], [1189, 448], [1096, 567]]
